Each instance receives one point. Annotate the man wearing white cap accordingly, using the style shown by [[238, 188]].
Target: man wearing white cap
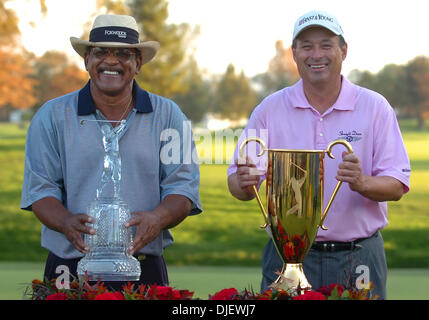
[[319, 108], [65, 153]]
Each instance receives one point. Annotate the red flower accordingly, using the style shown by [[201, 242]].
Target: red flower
[[324, 290], [327, 291], [225, 294], [163, 293], [110, 296], [57, 296], [186, 294], [310, 295]]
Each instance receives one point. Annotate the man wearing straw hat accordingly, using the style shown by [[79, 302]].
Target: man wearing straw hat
[[321, 107], [64, 153]]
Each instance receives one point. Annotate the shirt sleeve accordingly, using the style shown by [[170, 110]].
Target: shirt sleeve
[[42, 171], [390, 156], [179, 168]]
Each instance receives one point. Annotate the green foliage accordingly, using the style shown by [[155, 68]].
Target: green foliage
[[234, 98], [166, 73], [405, 86], [197, 100]]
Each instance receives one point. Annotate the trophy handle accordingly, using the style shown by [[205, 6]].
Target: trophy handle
[[258, 198], [328, 150]]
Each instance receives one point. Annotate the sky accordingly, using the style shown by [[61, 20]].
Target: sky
[[244, 32]]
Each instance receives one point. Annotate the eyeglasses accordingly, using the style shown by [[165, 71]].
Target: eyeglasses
[[122, 54]]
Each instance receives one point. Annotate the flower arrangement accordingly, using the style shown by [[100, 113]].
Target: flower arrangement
[[333, 292], [82, 290]]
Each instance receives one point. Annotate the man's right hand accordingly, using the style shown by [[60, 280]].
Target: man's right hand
[[242, 181]]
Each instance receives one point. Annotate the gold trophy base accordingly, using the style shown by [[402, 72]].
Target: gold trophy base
[[292, 277]]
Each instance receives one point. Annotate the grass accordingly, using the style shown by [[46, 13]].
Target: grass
[[19, 231], [227, 232], [407, 235], [402, 284]]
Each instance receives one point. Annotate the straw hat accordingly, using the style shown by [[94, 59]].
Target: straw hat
[[118, 31]]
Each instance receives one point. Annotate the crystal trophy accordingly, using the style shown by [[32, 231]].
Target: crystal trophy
[[108, 259]]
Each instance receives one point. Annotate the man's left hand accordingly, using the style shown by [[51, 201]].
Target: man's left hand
[[350, 171], [171, 211], [148, 225]]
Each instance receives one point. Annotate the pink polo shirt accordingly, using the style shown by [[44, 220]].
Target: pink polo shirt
[[286, 120]]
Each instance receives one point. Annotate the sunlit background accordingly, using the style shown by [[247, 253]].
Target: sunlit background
[[243, 32], [238, 33]]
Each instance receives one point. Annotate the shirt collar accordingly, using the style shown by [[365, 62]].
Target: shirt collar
[[345, 101], [86, 106]]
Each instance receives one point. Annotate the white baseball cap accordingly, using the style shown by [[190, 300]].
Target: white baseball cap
[[317, 18]]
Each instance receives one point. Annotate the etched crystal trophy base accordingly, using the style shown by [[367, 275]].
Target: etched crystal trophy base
[[110, 267], [108, 259]]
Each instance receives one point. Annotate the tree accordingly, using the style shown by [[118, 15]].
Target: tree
[[196, 101], [282, 66], [234, 98], [9, 31], [364, 78], [406, 87], [417, 75], [16, 86], [389, 81], [56, 76], [165, 75], [281, 72]]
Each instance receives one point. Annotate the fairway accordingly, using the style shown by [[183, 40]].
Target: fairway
[[221, 247], [402, 284]]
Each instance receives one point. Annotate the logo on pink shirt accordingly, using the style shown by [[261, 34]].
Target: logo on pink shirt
[[350, 136]]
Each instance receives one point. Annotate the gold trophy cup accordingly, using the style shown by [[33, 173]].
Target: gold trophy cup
[[294, 186]]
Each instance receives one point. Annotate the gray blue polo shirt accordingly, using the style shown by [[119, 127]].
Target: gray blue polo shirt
[[64, 159]]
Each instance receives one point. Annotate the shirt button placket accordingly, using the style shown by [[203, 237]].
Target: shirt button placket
[[320, 137]]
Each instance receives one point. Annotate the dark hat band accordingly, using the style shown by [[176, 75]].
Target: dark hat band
[[114, 34]]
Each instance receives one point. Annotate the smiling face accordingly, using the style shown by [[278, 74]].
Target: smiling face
[[319, 56], [112, 70]]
